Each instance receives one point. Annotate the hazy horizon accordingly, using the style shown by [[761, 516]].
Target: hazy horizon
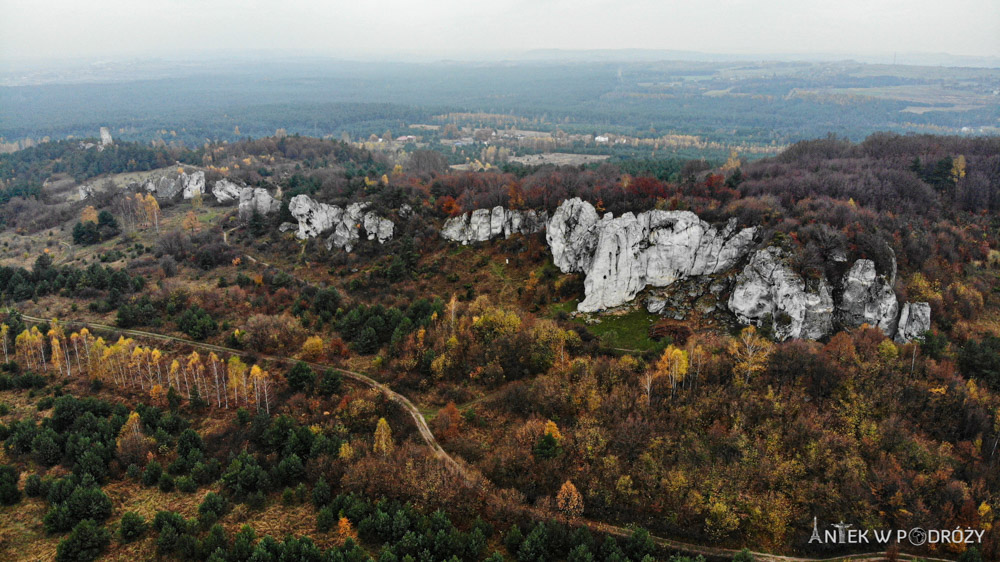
[[59, 30]]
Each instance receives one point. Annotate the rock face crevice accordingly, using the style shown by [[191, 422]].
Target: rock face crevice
[[622, 256], [346, 223], [486, 224]]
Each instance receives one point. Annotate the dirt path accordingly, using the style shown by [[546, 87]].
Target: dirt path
[[474, 479]]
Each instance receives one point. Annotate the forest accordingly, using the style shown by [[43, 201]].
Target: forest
[[199, 383], [734, 102]]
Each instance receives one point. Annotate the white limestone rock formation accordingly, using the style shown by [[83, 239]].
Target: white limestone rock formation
[[85, 191], [486, 224], [378, 228], [867, 298], [167, 187], [226, 191], [193, 184], [621, 256], [768, 291], [569, 235], [257, 199], [345, 233], [315, 218], [914, 321], [106, 139]]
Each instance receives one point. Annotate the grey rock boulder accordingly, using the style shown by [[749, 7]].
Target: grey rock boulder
[[482, 225], [257, 199], [347, 223], [571, 235], [193, 184], [313, 217], [867, 298], [767, 290], [378, 228], [226, 191], [914, 321], [621, 256]]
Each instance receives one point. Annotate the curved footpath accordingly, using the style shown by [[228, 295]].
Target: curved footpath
[[471, 478]]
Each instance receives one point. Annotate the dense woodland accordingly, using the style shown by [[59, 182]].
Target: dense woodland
[[715, 436]]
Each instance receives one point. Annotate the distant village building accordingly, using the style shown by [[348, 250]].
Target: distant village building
[[601, 139], [406, 138]]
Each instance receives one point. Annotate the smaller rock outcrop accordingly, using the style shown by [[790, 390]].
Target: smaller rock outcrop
[[194, 184], [378, 228], [226, 191], [166, 187], [569, 235], [315, 218], [85, 191], [867, 298], [257, 199], [767, 290], [914, 321], [486, 224]]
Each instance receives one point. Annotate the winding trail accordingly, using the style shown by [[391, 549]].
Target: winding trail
[[474, 479]]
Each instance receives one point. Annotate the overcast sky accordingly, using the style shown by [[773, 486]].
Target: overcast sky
[[466, 28]]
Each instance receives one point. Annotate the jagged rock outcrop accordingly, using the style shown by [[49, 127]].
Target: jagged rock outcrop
[[85, 191], [226, 191], [378, 228], [621, 256], [485, 224], [867, 298], [569, 235], [767, 291], [314, 218], [194, 184], [914, 321], [167, 187], [257, 199]]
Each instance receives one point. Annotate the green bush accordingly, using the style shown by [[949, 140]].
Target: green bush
[[211, 509], [151, 476], [85, 543], [132, 527], [186, 484], [166, 483], [325, 520], [9, 493], [197, 323], [33, 486]]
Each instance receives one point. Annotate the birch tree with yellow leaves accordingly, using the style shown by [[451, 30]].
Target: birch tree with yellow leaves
[[236, 372], [750, 352], [4, 335]]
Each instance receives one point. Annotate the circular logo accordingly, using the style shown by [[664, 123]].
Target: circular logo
[[917, 536]]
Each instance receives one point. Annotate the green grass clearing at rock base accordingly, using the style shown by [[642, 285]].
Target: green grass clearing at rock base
[[623, 331]]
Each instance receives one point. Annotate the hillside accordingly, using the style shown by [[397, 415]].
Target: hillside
[[713, 353]]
